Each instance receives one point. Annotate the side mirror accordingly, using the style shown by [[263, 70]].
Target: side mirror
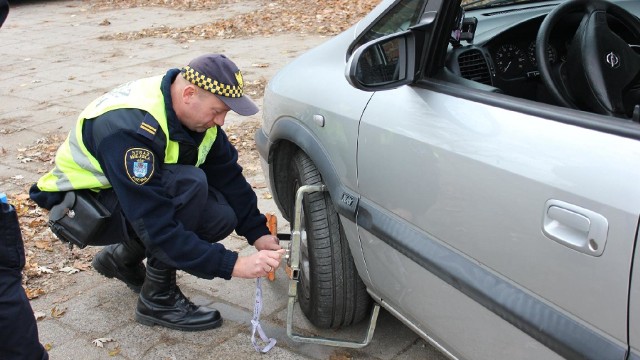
[[384, 63]]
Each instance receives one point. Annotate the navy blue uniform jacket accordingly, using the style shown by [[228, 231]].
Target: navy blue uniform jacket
[[148, 209]]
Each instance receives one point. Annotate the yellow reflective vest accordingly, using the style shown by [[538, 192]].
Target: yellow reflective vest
[[75, 168]]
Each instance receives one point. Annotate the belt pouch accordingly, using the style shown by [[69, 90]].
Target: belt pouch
[[78, 218]]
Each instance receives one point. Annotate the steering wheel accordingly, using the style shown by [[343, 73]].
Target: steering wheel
[[601, 68]]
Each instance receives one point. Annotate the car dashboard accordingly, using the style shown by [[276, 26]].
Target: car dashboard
[[503, 55]]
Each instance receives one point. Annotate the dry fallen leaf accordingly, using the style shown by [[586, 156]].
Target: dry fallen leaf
[[22, 197], [57, 313], [99, 342], [48, 346], [39, 315], [81, 265], [69, 270], [42, 244], [33, 293], [115, 351], [259, 185], [44, 269], [327, 17], [340, 355]]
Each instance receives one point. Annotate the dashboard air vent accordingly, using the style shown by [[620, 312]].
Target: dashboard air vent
[[473, 66]]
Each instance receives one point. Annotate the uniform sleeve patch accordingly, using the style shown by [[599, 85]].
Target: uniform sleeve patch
[[139, 164]]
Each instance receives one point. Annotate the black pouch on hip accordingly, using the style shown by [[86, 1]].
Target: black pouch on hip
[[78, 218]]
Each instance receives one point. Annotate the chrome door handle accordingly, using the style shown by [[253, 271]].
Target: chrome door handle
[[575, 227]]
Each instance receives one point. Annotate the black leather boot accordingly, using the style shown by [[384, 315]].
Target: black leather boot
[[122, 261], [161, 302]]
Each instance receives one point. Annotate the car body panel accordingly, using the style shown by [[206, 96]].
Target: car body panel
[[473, 167], [291, 130], [471, 215], [447, 309], [341, 113], [634, 305], [332, 145], [460, 156]]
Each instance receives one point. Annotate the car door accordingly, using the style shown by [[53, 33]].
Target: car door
[[498, 232], [634, 308]]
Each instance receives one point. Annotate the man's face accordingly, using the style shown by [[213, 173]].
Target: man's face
[[203, 111]]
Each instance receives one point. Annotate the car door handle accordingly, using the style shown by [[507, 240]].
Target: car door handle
[[575, 227]]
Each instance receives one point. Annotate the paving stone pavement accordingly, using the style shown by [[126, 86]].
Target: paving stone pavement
[[53, 64]]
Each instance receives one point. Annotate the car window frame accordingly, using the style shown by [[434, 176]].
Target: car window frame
[[587, 120]]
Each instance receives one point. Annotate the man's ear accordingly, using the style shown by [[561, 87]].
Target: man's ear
[[188, 93]]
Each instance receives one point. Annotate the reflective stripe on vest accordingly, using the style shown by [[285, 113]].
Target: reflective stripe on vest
[[76, 168]]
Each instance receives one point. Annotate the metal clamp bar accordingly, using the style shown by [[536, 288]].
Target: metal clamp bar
[[331, 341], [296, 233], [294, 265]]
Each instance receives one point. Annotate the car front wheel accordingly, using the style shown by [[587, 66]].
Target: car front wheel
[[330, 292]]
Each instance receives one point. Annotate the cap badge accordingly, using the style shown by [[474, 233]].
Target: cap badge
[[239, 79]]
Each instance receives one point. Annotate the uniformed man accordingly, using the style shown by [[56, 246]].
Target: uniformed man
[[18, 327], [4, 11], [154, 154]]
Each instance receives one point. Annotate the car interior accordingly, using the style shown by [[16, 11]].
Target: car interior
[[556, 58]]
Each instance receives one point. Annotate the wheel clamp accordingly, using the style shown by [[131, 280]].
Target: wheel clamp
[[293, 270]]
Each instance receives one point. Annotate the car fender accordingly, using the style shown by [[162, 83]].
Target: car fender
[[288, 129], [344, 199]]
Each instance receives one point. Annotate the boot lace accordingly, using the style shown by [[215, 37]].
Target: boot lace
[[182, 300]]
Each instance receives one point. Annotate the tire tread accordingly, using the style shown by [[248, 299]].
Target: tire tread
[[338, 295]]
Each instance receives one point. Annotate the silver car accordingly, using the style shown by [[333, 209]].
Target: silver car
[[482, 167]]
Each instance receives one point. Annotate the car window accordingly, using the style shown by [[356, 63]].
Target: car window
[[403, 15]]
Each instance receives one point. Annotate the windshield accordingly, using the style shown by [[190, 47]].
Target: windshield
[[482, 4]]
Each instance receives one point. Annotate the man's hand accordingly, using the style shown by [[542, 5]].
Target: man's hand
[[267, 242], [258, 264]]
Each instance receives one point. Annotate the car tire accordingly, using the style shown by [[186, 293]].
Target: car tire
[[330, 291]]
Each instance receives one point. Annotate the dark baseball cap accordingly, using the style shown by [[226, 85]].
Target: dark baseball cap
[[219, 75]]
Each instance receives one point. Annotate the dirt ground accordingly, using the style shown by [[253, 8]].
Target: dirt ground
[[49, 260]]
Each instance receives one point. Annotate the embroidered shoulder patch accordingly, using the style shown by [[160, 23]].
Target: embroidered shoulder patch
[[139, 164]]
